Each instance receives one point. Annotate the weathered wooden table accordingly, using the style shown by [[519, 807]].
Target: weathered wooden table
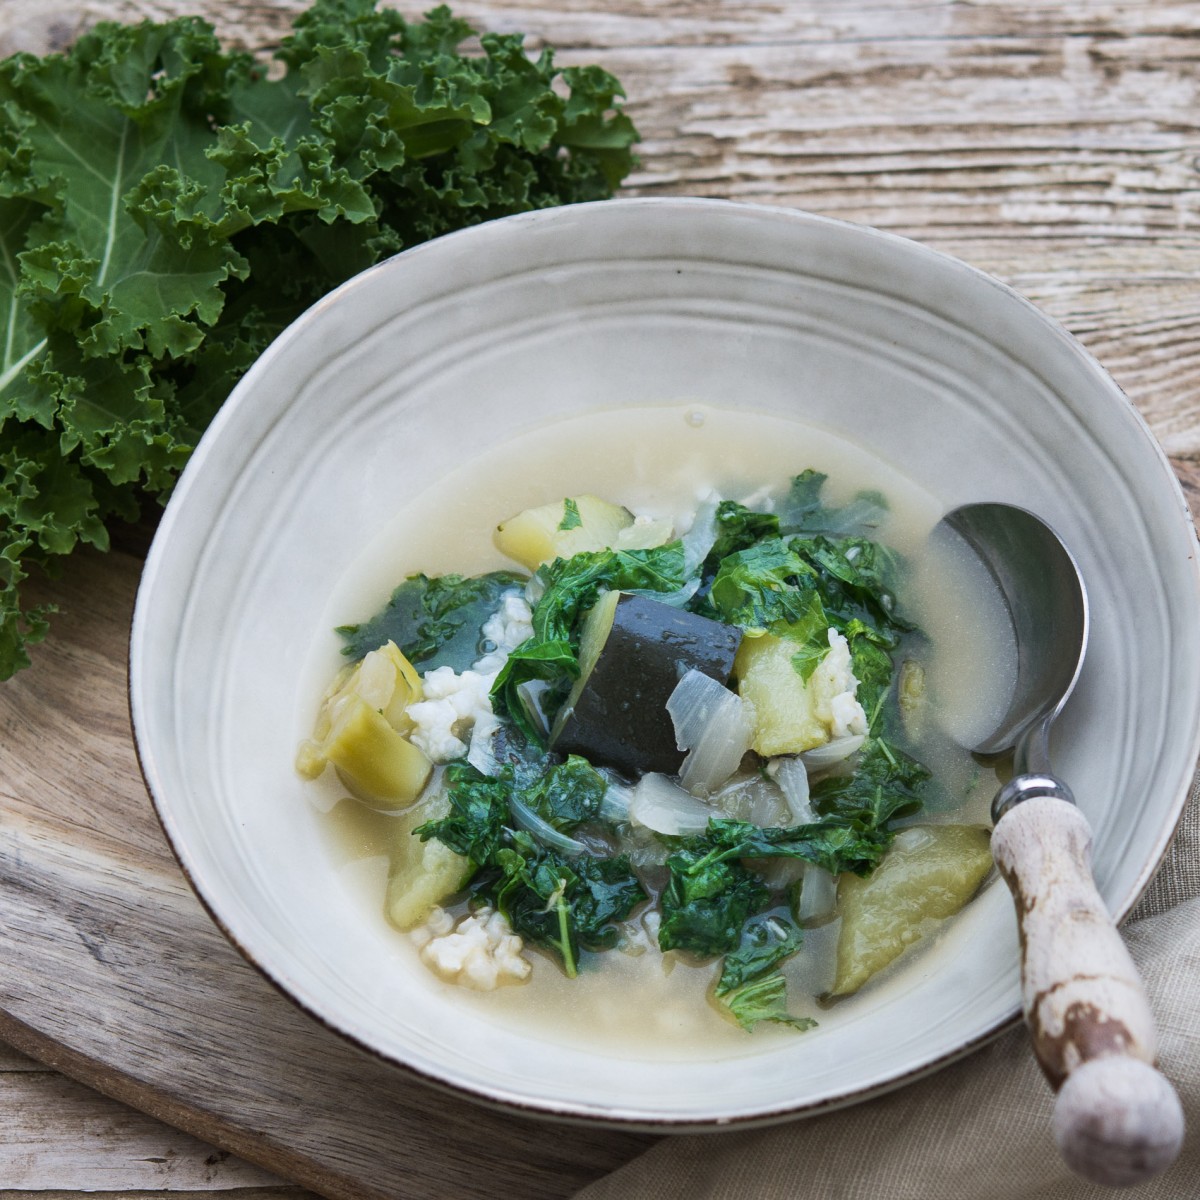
[[1054, 143]]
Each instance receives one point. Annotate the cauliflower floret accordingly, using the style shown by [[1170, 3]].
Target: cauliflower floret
[[834, 688], [480, 952]]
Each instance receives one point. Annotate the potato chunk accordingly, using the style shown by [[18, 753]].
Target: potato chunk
[[785, 713], [561, 529], [930, 872]]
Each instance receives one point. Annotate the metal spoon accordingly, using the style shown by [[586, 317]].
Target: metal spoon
[[1117, 1120]]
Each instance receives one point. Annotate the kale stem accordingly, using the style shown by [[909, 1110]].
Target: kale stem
[[564, 936]]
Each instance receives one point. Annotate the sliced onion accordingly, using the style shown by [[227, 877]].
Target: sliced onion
[[697, 542], [818, 896], [792, 777], [712, 724], [702, 535], [659, 803], [541, 829], [752, 798], [820, 757], [618, 796], [529, 694]]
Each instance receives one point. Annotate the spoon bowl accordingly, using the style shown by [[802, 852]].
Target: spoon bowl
[[1043, 589]]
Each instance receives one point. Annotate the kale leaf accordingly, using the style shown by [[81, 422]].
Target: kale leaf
[[707, 901], [570, 587], [766, 584], [564, 904], [568, 795], [435, 622], [886, 784], [802, 511], [766, 941], [738, 528], [764, 999], [750, 986], [845, 840], [167, 207]]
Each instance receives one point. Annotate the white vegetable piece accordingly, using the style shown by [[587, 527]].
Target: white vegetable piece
[[831, 753], [659, 803], [792, 776], [714, 725], [480, 952]]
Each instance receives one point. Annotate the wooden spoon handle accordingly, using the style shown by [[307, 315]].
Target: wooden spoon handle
[[1117, 1121]]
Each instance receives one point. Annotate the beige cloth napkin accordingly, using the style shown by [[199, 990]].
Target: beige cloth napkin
[[978, 1130]]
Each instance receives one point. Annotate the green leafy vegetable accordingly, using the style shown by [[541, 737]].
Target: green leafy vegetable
[[568, 795], [571, 586], [435, 622], [738, 528], [751, 987], [764, 999], [707, 901], [565, 905], [167, 207], [886, 784], [765, 584], [571, 518], [802, 510], [766, 941]]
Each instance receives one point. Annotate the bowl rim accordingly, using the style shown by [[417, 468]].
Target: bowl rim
[[584, 1113]]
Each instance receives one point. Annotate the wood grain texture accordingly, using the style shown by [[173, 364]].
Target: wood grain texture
[[118, 976], [1054, 144]]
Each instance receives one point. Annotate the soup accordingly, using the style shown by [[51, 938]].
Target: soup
[[954, 671]]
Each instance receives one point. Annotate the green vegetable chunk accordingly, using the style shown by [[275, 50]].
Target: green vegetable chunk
[[422, 874], [929, 874], [634, 651]]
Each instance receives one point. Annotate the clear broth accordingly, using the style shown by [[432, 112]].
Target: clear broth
[[662, 462]]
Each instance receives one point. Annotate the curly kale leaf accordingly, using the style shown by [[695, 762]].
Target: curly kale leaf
[[803, 512], [707, 901], [566, 905], [750, 986], [435, 622], [886, 784], [167, 207]]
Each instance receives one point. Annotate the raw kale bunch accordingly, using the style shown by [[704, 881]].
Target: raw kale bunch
[[167, 207]]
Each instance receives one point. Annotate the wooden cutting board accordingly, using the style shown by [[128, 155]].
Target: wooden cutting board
[[114, 973]]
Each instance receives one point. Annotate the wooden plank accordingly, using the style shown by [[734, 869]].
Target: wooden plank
[[56, 1131], [119, 978]]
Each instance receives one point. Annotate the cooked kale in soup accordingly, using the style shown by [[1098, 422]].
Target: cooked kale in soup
[[709, 739]]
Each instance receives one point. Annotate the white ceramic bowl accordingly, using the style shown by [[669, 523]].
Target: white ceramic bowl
[[430, 358]]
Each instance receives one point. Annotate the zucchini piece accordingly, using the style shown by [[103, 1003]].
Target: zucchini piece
[[376, 762], [632, 653], [930, 872], [422, 874], [362, 731], [785, 717], [561, 529]]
